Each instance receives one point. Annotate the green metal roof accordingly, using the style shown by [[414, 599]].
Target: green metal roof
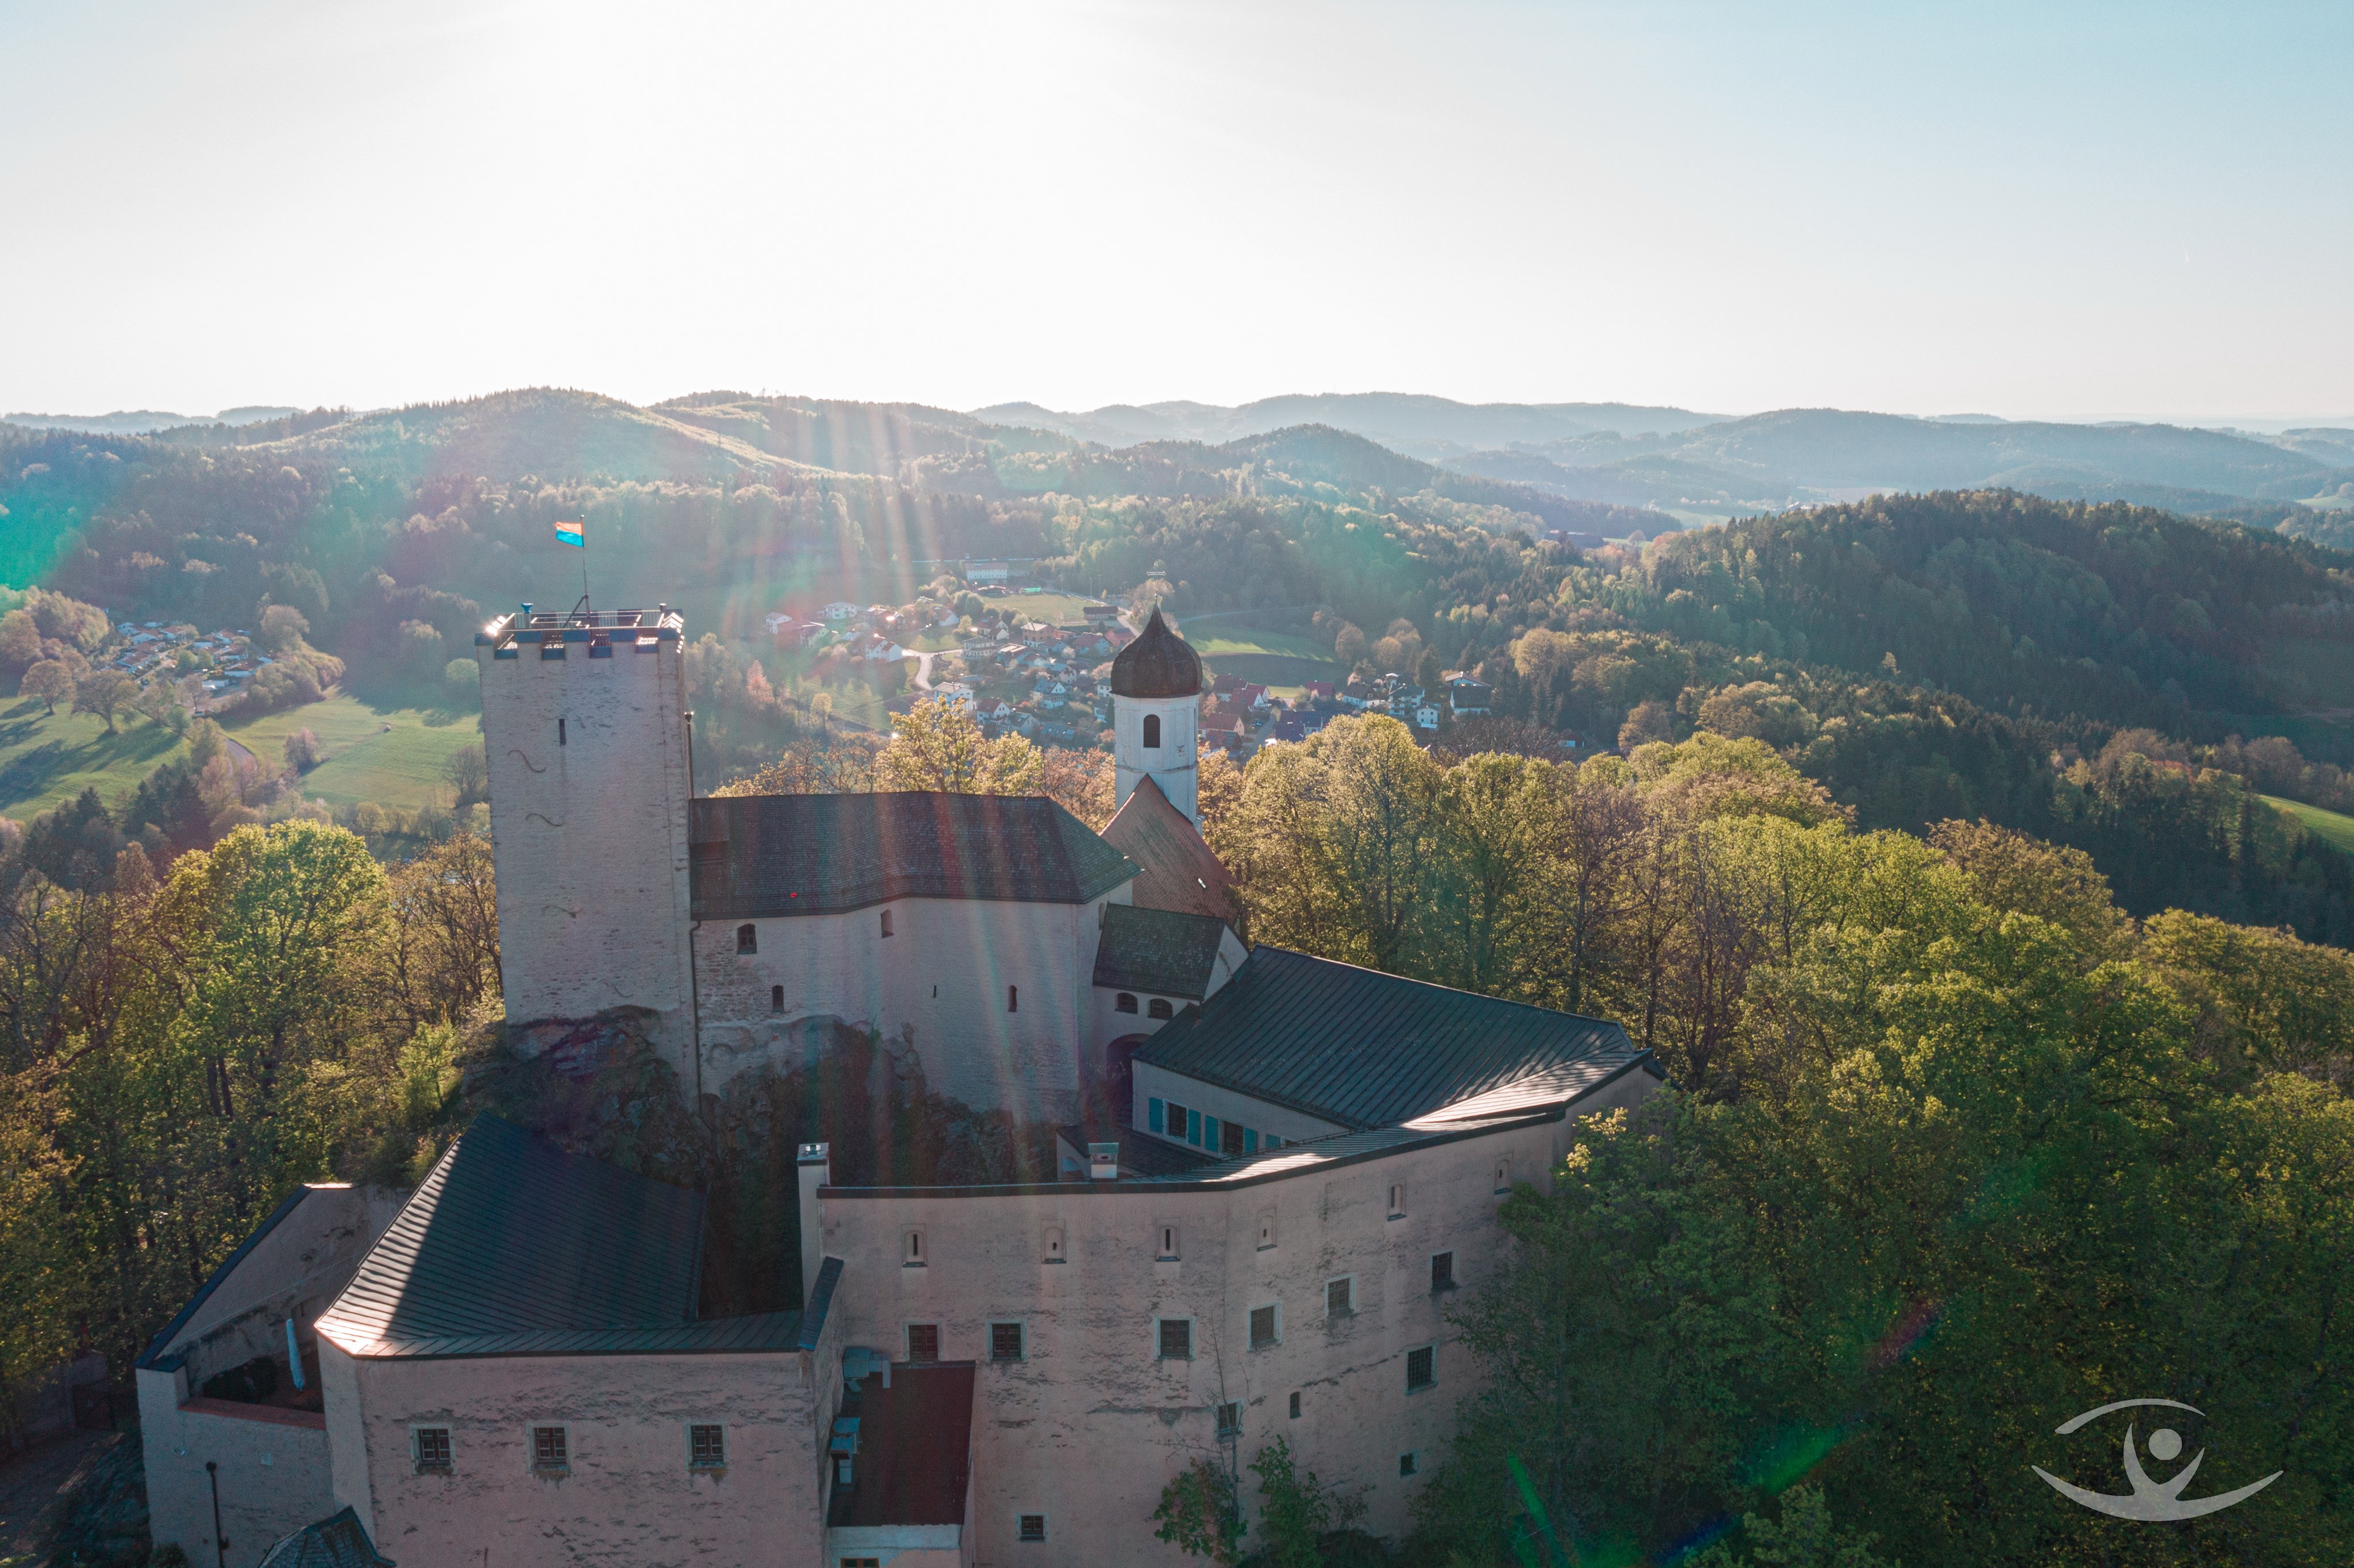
[[1362, 1049], [1159, 951], [511, 1246], [755, 856]]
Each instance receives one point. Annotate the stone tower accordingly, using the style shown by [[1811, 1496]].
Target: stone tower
[[584, 718], [1156, 697]]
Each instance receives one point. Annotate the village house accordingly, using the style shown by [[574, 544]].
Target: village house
[[1277, 1171]]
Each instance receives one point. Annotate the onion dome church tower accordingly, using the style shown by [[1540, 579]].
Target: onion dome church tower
[[1156, 696]]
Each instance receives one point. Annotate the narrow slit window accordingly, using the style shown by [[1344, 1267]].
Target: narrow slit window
[[559, 732], [1397, 1199], [1168, 1253], [1295, 1404], [747, 938], [776, 999], [886, 922], [915, 1251], [1013, 999], [1152, 731]]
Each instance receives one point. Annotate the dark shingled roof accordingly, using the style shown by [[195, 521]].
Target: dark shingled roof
[[1159, 663], [914, 1449], [1159, 951], [1362, 1049], [513, 1247], [1179, 870], [756, 856], [336, 1541]]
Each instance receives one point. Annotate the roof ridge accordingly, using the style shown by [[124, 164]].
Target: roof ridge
[[1258, 948]]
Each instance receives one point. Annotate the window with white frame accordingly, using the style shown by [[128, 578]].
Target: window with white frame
[[911, 1248], [706, 1446], [432, 1454], [551, 1448], [1266, 1326], [1397, 1199], [1167, 1245]]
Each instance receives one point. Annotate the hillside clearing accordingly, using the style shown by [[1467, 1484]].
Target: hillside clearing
[[2330, 827], [47, 759], [394, 756]]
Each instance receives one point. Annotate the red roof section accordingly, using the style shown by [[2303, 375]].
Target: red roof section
[[1181, 872], [914, 1449]]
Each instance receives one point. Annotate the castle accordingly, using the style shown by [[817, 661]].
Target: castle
[[1299, 1170]]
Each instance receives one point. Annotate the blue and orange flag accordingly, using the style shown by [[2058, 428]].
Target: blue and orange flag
[[571, 534]]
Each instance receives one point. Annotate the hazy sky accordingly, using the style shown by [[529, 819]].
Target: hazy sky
[[2032, 210]]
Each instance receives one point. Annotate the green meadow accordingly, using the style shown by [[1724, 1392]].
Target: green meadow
[[394, 756], [2330, 827], [47, 759]]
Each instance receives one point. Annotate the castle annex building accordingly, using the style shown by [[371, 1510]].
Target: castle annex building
[[1300, 1166]]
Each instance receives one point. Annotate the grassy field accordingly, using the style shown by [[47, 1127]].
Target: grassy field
[[2330, 827], [1280, 661], [393, 757], [47, 759]]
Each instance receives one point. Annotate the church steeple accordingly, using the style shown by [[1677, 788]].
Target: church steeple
[[1156, 693]]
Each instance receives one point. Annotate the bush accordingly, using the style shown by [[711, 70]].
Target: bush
[[462, 681]]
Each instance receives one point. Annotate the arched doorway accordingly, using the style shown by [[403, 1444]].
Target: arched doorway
[[1120, 1076]]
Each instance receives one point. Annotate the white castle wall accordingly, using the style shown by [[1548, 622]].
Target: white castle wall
[[937, 983], [589, 780], [1090, 1424], [629, 1499]]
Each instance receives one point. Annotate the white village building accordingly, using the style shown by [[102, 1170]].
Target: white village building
[[1276, 1173]]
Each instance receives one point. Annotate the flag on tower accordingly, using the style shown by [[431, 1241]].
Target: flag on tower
[[570, 534]]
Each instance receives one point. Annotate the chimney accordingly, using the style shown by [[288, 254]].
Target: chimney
[[1103, 1162], [816, 1171]]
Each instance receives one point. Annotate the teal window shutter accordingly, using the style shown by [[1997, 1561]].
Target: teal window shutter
[[1250, 1140], [1152, 1118]]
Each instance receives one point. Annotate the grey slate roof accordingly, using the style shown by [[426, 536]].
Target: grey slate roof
[[765, 855], [511, 1246], [336, 1541], [1158, 950], [1362, 1049]]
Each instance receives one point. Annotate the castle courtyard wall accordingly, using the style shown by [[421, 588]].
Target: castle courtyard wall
[[1090, 1424]]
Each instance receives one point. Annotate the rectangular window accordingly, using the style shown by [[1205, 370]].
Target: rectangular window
[[1409, 1464], [706, 1446], [1155, 1115], [1230, 1419], [1341, 1296], [1295, 1404], [434, 1450], [1263, 1328], [1013, 999], [911, 1254], [886, 922], [1230, 1140], [1005, 1341], [1503, 1175], [1031, 1527], [1397, 1199], [923, 1342], [776, 999], [1168, 1253], [1176, 1339], [1421, 1369], [1442, 1271], [548, 1449], [1266, 1230]]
